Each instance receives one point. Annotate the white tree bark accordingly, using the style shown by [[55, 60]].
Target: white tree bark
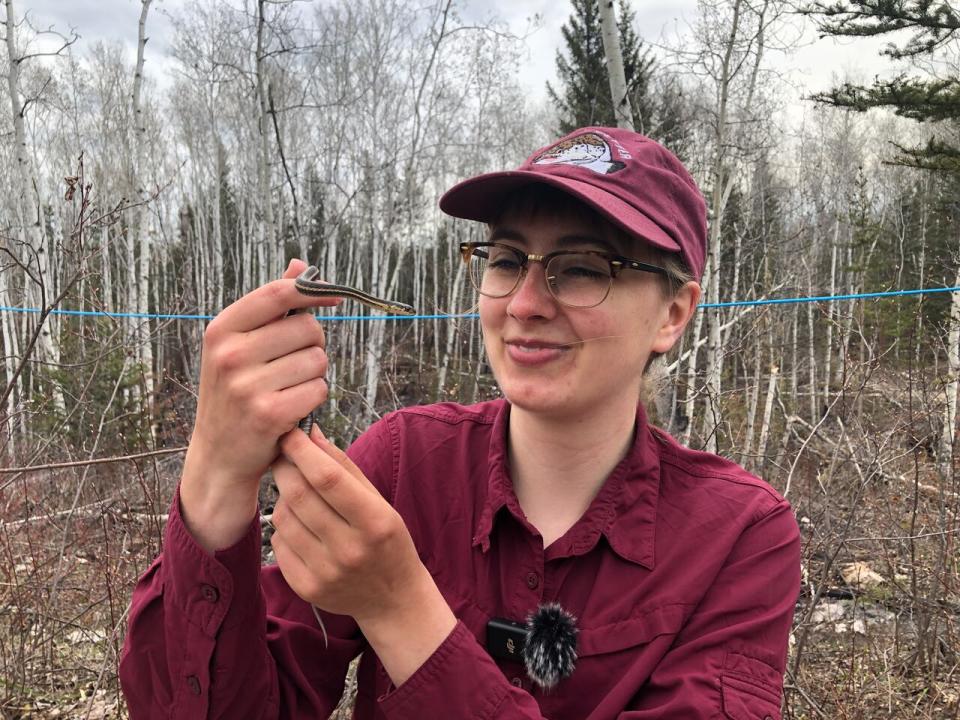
[[614, 58], [742, 43], [767, 415], [141, 239], [828, 344], [36, 247], [949, 431], [267, 252]]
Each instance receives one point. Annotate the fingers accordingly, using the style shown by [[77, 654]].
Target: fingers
[[303, 513], [320, 440], [294, 567], [291, 370], [282, 337], [335, 482], [268, 302], [295, 267]]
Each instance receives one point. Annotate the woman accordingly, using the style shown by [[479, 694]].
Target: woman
[[546, 555]]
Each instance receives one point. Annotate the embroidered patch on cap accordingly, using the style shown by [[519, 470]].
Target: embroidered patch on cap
[[588, 150]]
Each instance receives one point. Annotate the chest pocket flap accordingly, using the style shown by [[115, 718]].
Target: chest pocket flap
[[639, 630]]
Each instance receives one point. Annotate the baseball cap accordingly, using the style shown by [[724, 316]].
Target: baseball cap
[[629, 179]]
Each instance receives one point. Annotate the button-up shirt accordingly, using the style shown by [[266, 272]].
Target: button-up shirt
[[682, 575]]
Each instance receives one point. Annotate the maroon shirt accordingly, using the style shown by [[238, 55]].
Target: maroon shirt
[[683, 574]]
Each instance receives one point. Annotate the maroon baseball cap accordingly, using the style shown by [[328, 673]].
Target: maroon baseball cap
[[632, 181]]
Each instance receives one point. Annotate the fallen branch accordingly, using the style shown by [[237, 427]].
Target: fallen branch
[[96, 461]]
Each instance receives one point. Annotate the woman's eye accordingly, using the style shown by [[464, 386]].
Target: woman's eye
[[504, 263], [580, 271]]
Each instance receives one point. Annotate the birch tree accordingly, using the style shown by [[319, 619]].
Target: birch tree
[[733, 37], [139, 246], [618, 80], [36, 249]]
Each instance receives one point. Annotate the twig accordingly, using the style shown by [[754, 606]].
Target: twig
[[49, 516], [96, 461]]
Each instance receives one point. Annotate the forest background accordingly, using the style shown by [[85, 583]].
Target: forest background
[[327, 130]]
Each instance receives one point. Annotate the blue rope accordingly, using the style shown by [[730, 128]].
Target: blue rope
[[347, 318]]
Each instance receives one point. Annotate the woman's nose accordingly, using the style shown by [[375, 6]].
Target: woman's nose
[[532, 297]]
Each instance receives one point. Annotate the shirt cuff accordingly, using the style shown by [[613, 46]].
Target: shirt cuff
[[211, 590], [459, 674]]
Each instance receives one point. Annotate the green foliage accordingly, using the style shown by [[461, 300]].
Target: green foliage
[[100, 386], [584, 96], [933, 23], [930, 99]]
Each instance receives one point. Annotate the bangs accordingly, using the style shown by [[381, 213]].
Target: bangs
[[537, 199]]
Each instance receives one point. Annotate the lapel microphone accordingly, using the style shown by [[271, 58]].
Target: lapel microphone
[[546, 643]]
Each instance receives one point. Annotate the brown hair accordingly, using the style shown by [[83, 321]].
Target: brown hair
[[536, 199]]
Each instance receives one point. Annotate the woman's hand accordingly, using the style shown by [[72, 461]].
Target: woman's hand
[[342, 547], [260, 372]]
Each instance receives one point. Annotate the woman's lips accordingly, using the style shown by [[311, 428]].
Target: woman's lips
[[531, 352]]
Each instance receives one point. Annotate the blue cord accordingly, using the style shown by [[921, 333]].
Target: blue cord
[[341, 318]]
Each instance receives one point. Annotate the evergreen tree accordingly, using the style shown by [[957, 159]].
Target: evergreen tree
[[928, 99], [584, 94]]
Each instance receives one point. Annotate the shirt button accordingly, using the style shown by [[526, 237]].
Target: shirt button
[[533, 580], [210, 593], [518, 682], [194, 684]]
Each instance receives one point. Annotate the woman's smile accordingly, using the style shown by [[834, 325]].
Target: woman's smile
[[529, 352]]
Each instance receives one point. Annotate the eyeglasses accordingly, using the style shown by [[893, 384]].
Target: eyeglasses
[[575, 278]]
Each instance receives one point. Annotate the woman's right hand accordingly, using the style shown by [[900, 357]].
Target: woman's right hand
[[260, 373]]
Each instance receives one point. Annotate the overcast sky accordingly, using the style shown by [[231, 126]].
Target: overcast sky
[[814, 67]]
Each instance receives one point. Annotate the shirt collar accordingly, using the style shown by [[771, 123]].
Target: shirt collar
[[624, 511]]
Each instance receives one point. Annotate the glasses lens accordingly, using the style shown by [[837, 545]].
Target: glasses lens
[[494, 271], [579, 279]]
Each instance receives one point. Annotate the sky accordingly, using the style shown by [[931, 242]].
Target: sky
[[815, 66]]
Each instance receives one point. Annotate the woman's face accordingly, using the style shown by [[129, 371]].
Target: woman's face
[[561, 361]]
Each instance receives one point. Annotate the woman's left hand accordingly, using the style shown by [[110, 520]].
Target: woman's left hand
[[342, 547], [339, 544]]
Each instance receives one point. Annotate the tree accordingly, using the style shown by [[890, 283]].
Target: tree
[[584, 98], [35, 253], [933, 25], [614, 58], [924, 99]]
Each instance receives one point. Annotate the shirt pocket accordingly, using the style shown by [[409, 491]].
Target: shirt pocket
[[608, 654], [750, 688], [632, 632]]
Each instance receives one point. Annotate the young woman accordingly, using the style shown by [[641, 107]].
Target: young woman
[[546, 555]]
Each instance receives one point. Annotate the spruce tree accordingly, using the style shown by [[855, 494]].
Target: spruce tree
[[583, 97], [932, 25]]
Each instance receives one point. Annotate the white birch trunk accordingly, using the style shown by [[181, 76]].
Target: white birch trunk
[[812, 361], [452, 328], [828, 349], [767, 415], [267, 253], [720, 192], [28, 204], [691, 391], [753, 402], [12, 346], [953, 382], [143, 341], [614, 59]]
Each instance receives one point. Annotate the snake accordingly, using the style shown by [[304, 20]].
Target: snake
[[306, 284]]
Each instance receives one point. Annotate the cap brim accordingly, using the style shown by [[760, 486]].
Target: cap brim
[[482, 197]]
